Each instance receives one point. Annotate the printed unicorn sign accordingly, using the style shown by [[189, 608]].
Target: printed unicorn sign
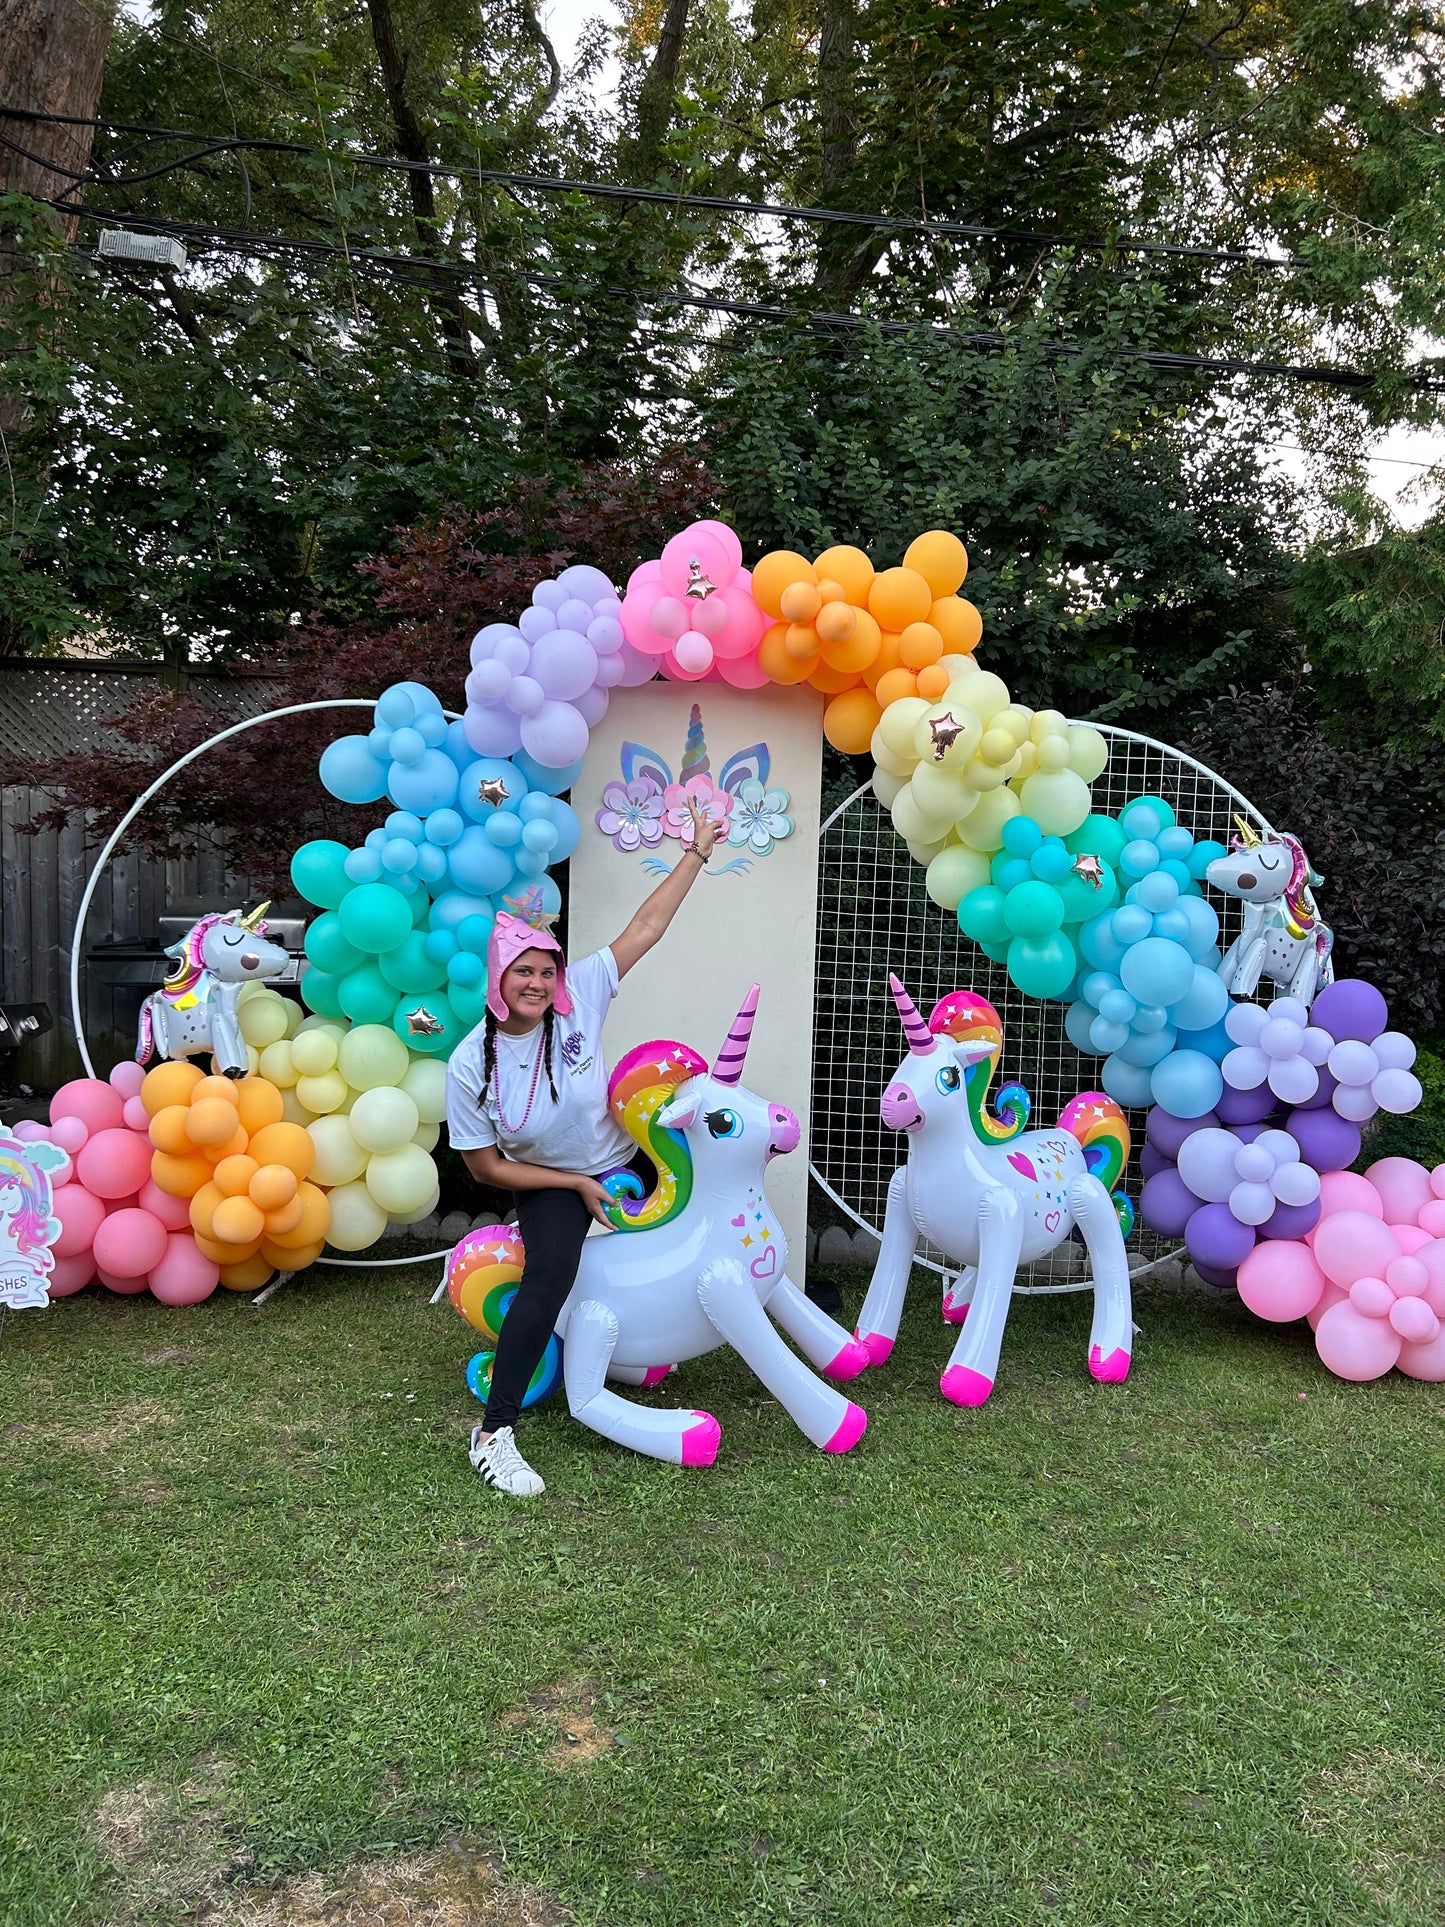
[[992, 1195], [195, 1012], [28, 1226], [1283, 937]]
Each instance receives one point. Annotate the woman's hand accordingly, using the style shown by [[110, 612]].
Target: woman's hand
[[597, 1199], [704, 830]]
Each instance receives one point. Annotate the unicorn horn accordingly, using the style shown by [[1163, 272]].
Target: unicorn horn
[[252, 921], [921, 1039], [729, 1066], [1248, 835]]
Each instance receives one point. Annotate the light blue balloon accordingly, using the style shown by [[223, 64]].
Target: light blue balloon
[[1104, 1036], [568, 825], [377, 840], [406, 884], [399, 856], [407, 746], [453, 905], [1138, 858], [539, 836], [351, 771], [1077, 1020], [1203, 925], [1128, 1084], [1155, 970], [1162, 813], [1132, 923], [477, 864], [1203, 854], [1158, 891], [502, 829], [440, 945], [363, 866], [1097, 986], [1050, 862], [1187, 1083], [422, 699], [1205, 1003], [430, 783], [1097, 942], [395, 707], [475, 932], [403, 823], [1172, 867], [530, 863], [491, 769], [431, 863], [535, 808], [1149, 1048], [443, 827], [1118, 1006], [378, 741], [458, 749], [1011, 872], [1174, 841], [432, 728], [1215, 1042], [1174, 925], [466, 969], [1149, 1018], [553, 781], [1022, 836]]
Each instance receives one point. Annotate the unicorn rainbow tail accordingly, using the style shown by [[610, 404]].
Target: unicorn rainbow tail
[[640, 1088], [1103, 1131], [145, 1038], [483, 1271]]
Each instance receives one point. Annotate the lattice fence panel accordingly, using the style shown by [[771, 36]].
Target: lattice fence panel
[[875, 915]]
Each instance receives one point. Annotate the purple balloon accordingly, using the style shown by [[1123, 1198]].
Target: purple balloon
[[591, 705], [1167, 1204], [1350, 1008], [1152, 1162], [555, 736], [1326, 1140], [564, 663], [1219, 1279], [1329, 1084], [536, 622], [1166, 1132], [1245, 1107], [1216, 1237], [638, 667], [1291, 1220], [491, 732]]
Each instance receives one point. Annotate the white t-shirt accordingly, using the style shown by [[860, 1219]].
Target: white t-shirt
[[574, 1132]]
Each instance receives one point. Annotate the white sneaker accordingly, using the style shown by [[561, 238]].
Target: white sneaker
[[502, 1465]]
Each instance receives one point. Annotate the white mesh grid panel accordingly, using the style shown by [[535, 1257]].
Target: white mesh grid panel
[[875, 915]]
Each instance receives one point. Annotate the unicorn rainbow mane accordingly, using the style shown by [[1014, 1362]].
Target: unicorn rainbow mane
[[190, 960], [641, 1086], [968, 1018]]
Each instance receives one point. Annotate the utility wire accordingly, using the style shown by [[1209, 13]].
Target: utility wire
[[610, 190], [416, 269]]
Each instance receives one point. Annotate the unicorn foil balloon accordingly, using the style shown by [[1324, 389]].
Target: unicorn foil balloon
[[700, 1263], [1283, 937], [196, 1011], [992, 1195]]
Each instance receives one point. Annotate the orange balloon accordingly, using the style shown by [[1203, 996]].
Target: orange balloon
[[850, 569], [774, 573], [933, 682], [898, 597], [234, 1174], [169, 1084], [919, 645], [893, 687], [168, 1130], [836, 622], [204, 1206], [271, 1186], [236, 1221], [220, 1254], [800, 601], [285, 1218], [285, 1258], [775, 661], [833, 681], [857, 651], [850, 720], [259, 1103], [940, 558], [179, 1177], [315, 1219], [222, 1087], [211, 1121], [801, 640], [247, 1275], [886, 659], [286, 1144], [959, 623], [234, 1146]]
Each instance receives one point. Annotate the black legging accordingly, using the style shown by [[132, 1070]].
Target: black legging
[[553, 1225]]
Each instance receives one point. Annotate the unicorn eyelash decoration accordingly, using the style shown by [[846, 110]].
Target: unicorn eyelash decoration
[[196, 1010], [992, 1196], [1283, 937]]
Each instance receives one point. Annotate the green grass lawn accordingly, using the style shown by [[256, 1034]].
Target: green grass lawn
[[1165, 1652]]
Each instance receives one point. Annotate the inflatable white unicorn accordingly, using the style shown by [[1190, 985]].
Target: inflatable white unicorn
[[1283, 937], [992, 1197], [196, 1010], [700, 1263]]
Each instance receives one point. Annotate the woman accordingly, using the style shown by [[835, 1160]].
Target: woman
[[527, 1108]]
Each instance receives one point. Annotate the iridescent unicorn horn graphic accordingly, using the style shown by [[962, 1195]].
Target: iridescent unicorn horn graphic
[[729, 1066], [921, 1039], [694, 752]]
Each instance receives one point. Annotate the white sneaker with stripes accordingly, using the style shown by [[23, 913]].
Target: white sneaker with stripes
[[502, 1465]]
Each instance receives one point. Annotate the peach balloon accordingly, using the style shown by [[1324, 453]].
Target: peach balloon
[[291, 1258], [898, 597], [236, 1221], [215, 1086], [959, 623], [169, 1084], [168, 1130], [774, 573], [895, 686], [259, 1103], [203, 1210], [272, 1185], [247, 1274], [210, 1120], [775, 658], [850, 569], [850, 720], [234, 1175], [285, 1144], [315, 1219], [181, 1177]]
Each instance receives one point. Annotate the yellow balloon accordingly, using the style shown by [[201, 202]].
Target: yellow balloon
[[1027, 763], [1016, 719], [1057, 800], [1088, 752], [987, 695], [1048, 722], [293, 1111], [314, 1052], [425, 1084], [426, 1136], [262, 1017], [401, 1180], [900, 719], [954, 872], [339, 1158], [886, 786], [941, 793], [947, 734], [913, 825], [997, 746], [321, 1094], [899, 766], [1054, 753], [982, 829], [958, 667], [357, 1220]]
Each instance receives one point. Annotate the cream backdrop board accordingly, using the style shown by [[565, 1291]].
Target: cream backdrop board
[[749, 919]]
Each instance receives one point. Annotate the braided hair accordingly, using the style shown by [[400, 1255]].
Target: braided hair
[[489, 1049]]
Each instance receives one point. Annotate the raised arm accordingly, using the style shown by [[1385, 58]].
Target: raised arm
[[657, 912]]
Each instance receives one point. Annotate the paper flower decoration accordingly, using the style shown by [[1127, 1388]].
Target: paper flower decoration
[[631, 814], [759, 818]]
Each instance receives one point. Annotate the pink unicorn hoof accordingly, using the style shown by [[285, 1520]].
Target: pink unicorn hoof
[[850, 1431], [700, 1441], [655, 1374], [960, 1386], [954, 1314], [877, 1346], [1112, 1370], [853, 1359]]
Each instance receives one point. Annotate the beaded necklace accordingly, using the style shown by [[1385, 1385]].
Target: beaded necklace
[[512, 1130]]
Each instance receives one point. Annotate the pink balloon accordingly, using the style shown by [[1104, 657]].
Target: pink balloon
[[126, 1287], [137, 1117], [1413, 1319], [1426, 1361], [669, 617], [70, 1275], [693, 653], [1410, 1237], [1348, 1191], [727, 541], [127, 1077], [743, 672], [184, 1275], [1351, 1244], [1437, 1181], [174, 1213], [114, 1163], [1432, 1218], [1432, 1257], [80, 1216], [1354, 1347], [1332, 1295], [698, 545], [1280, 1280], [1407, 1277], [746, 623], [675, 670], [1371, 1297], [1404, 1187], [98, 1107], [646, 575], [636, 620], [130, 1243], [710, 618]]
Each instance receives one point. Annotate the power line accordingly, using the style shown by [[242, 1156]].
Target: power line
[[610, 190], [419, 269]]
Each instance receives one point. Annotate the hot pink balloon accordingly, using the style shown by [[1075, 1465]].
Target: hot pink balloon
[[114, 1163], [97, 1105], [727, 541], [678, 672], [1348, 1191], [129, 1243], [700, 546], [743, 672], [80, 1216], [184, 1275], [745, 625], [1404, 1188], [127, 1077], [126, 1287], [1351, 1245], [1410, 1237], [69, 1275], [1280, 1280], [1354, 1347]]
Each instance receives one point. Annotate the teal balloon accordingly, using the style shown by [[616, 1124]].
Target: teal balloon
[[328, 949], [1164, 811], [1202, 855], [980, 916], [468, 1004], [318, 870], [1033, 909], [998, 952], [1009, 873], [1097, 836], [365, 996], [411, 967], [1051, 862], [318, 992], [428, 1022], [1042, 966], [374, 918], [1082, 899]]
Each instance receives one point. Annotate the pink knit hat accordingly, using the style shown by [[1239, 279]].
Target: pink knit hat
[[510, 937]]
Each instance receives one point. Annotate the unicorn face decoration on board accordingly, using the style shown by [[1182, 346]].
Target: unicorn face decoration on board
[[28, 1226], [649, 807], [196, 1010], [1283, 937]]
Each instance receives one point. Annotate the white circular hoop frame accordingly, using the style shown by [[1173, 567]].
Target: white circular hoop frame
[[1114, 735], [360, 702]]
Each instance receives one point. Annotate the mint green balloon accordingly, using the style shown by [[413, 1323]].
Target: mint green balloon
[[1082, 899], [318, 992], [469, 1003], [1033, 910], [408, 967], [980, 915], [319, 873], [1043, 966], [375, 918], [365, 996], [1098, 836], [427, 1022], [327, 947]]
